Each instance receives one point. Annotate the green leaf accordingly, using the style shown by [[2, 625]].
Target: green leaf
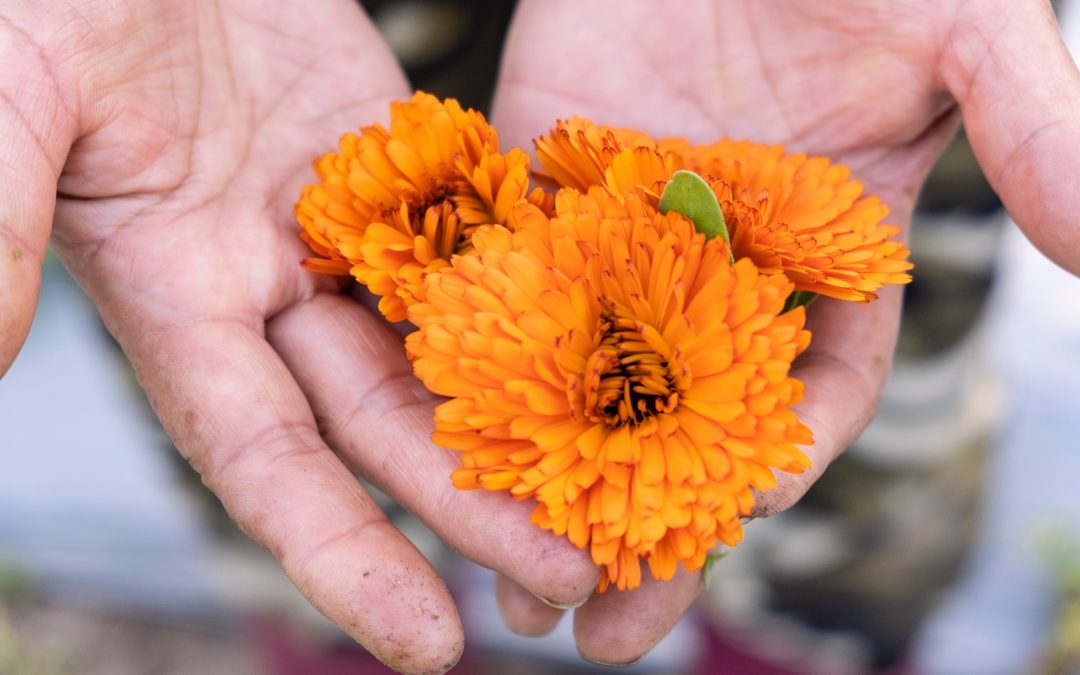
[[799, 299], [710, 560], [688, 193]]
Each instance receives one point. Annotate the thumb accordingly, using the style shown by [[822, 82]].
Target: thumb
[[35, 134], [1019, 92]]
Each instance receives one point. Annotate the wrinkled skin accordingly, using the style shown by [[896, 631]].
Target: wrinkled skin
[[171, 140]]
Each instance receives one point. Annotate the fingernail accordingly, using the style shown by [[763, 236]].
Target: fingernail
[[609, 664], [564, 605]]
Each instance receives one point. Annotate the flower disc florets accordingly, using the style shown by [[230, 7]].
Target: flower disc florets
[[611, 364]]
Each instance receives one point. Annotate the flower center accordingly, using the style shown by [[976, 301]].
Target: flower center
[[436, 196], [433, 215], [629, 377]]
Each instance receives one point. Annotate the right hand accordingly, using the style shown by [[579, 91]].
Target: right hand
[[875, 84]]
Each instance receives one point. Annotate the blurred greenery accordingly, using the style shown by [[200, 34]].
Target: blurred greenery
[[20, 656], [14, 583], [1062, 554]]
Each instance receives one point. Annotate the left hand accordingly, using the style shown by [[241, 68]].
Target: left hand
[[171, 139]]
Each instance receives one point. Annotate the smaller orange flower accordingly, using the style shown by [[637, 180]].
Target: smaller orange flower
[[812, 222], [394, 204], [791, 214], [577, 153]]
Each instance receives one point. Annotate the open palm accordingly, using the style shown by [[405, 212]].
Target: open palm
[[879, 86]]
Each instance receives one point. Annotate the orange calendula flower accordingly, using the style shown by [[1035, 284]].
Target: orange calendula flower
[[391, 205], [804, 216], [577, 153], [612, 365], [793, 214]]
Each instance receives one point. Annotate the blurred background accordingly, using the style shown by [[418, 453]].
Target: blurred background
[[945, 541]]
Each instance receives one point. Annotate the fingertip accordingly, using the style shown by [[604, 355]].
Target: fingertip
[[434, 652], [790, 488], [438, 652], [618, 628], [524, 613], [554, 570], [395, 607]]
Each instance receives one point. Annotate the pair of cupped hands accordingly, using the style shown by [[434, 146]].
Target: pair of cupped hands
[[163, 144]]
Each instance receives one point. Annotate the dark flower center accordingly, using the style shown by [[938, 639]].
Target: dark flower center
[[443, 192], [628, 377], [434, 215]]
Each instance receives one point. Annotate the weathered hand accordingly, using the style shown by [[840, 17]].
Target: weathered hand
[[879, 86], [172, 139]]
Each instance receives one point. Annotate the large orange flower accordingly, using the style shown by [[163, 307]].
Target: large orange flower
[[793, 214], [394, 204], [612, 365]]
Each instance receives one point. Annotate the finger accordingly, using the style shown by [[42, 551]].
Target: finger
[[844, 369], [619, 627], [1019, 91], [35, 135], [235, 412], [352, 367], [523, 612]]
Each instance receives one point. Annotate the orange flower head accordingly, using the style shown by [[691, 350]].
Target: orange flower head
[[391, 205], [792, 214], [611, 364], [805, 217], [577, 153]]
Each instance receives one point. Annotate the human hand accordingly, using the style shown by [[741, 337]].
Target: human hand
[[879, 86], [172, 139]]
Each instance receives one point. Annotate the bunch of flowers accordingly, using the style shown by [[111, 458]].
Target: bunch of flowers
[[618, 352]]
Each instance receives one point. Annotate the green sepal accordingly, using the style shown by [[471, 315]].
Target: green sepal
[[688, 193], [706, 569], [799, 299]]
